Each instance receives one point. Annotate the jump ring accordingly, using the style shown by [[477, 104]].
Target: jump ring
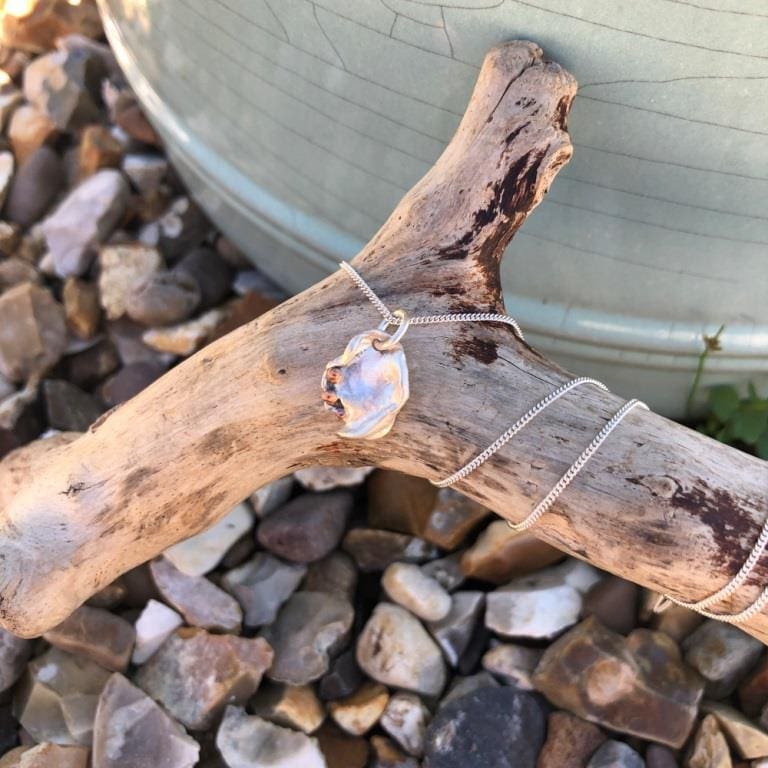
[[405, 321]]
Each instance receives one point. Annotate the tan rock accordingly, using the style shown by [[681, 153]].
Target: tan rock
[[358, 713], [14, 271], [675, 621], [386, 754], [29, 128], [407, 585], [81, 307], [12, 759], [123, 268], [329, 478], [570, 742], [405, 720], [185, 338], [98, 149], [500, 554], [748, 739], [294, 706], [399, 502], [709, 749], [54, 756], [341, 750]]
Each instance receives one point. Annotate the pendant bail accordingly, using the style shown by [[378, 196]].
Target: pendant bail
[[405, 321]]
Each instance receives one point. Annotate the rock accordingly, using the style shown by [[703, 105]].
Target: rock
[[200, 602], [146, 171], [373, 550], [341, 750], [10, 99], [294, 706], [399, 502], [613, 601], [461, 686], [81, 307], [14, 271], [251, 742], [132, 731], [123, 269], [195, 675], [129, 381], [51, 756], [387, 755], [127, 114], [97, 634], [709, 748], [453, 518], [335, 573], [56, 700], [657, 756], [239, 552], [165, 298], [749, 740], [182, 227], [310, 628], [455, 630], [675, 621], [616, 754], [209, 272], [98, 149], [84, 219], [7, 166], [14, 652], [28, 129], [308, 527], [110, 596], [753, 690], [33, 334], [500, 554], [513, 664], [19, 419], [722, 654], [407, 585], [446, 571], [636, 685], [329, 478], [491, 726], [6, 388], [262, 585], [186, 338], [201, 553], [395, 649], [89, 367], [358, 713], [570, 742], [12, 759], [10, 237], [154, 626], [241, 311], [271, 496], [68, 408], [343, 678], [405, 720]]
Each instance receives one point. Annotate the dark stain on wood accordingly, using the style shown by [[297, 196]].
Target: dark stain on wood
[[485, 351], [137, 482]]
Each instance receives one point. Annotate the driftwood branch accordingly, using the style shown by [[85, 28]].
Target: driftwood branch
[[659, 504]]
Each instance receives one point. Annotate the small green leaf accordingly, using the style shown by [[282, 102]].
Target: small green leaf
[[761, 446], [723, 400], [748, 424]]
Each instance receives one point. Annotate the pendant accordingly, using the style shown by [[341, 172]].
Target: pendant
[[367, 385]]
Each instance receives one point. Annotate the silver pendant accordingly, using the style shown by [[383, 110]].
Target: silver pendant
[[367, 385]]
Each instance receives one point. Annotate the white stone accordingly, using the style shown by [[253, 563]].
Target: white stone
[[146, 171], [271, 496], [513, 664], [6, 174], [455, 630], [409, 586], [405, 720], [184, 338], [202, 553], [327, 478], [124, 269], [153, 627]]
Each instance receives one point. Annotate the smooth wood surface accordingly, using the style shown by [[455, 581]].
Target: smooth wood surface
[[659, 504]]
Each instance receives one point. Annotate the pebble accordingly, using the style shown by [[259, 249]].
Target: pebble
[[10, 99], [460, 686], [570, 742], [500, 554], [123, 268], [7, 166], [395, 649], [84, 219], [209, 272], [709, 748], [58, 696], [309, 630], [33, 331], [405, 719], [446, 571], [131, 730], [294, 706], [262, 585], [455, 630], [182, 227], [407, 585], [156, 623], [308, 527], [201, 553], [6, 387], [146, 171], [14, 652], [616, 754], [19, 420], [186, 338], [373, 550], [271, 496], [399, 502], [753, 690], [636, 685], [199, 601], [358, 713], [165, 298], [675, 621], [335, 573], [513, 664], [129, 381], [252, 742], [194, 674], [342, 679], [330, 478], [386, 754], [10, 239], [749, 740], [490, 726], [341, 750], [127, 114], [104, 637], [98, 149], [49, 756], [67, 407], [722, 654], [29, 128], [14, 271], [82, 308], [657, 756], [613, 601]]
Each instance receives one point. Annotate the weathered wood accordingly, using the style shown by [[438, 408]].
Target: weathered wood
[[659, 504]]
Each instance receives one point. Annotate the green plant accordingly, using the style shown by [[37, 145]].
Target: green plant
[[738, 420]]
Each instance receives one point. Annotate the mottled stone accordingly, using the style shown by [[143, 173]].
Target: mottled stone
[[513, 664], [636, 685], [500, 554], [753, 690], [491, 726], [167, 297], [185, 338], [613, 601], [308, 527], [461, 686], [570, 742], [722, 654], [335, 573], [271, 496], [211, 274], [29, 129], [749, 740], [446, 571], [358, 713], [395, 649], [240, 311], [123, 269], [709, 748], [455, 630], [341, 750], [329, 478], [251, 742], [310, 629], [199, 601], [343, 678], [195, 675], [67, 407], [262, 585], [81, 307], [200, 554], [405, 719], [154, 626], [14, 652], [373, 550], [294, 706], [85, 218], [131, 731], [98, 149], [100, 635], [407, 585], [33, 331], [56, 700], [50, 756], [616, 754]]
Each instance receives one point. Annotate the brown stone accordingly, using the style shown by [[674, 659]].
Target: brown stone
[[294, 706], [340, 749], [709, 748], [195, 675], [98, 634], [675, 621], [129, 116], [373, 549], [15, 271], [386, 754], [10, 237], [635, 685], [242, 311], [613, 602], [81, 307], [98, 149], [501, 554], [570, 742], [753, 691], [29, 129], [358, 713], [748, 739], [399, 502], [92, 365]]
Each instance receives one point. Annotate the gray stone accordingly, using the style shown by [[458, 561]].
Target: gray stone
[[446, 571], [146, 171], [405, 720], [182, 227], [343, 678], [165, 298], [34, 187], [271, 496], [67, 407], [460, 686], [513, 664], [129, 381], [657, 756], [374, 549], [211, 274], [14, 652], [335, 573], [154, 626], [407, 585], [615, 754], [454, 631], [19, 419]]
